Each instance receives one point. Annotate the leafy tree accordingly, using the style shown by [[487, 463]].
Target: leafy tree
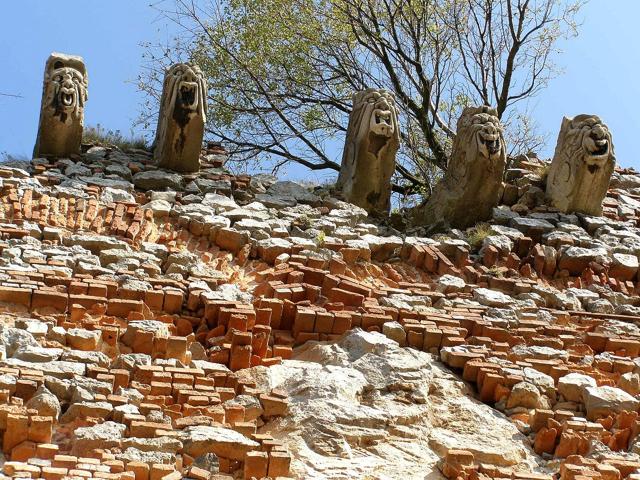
[[281, 72]]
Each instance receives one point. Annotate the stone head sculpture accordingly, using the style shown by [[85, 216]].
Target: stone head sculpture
[[478, 146], [368, 161], [183, 114], [471, 186], [582, 165], [64, 95]]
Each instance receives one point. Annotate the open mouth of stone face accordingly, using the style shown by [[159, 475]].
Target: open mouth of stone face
[[188, 95], [67, 97], [381, 123], [596, 147], [602, 149], [492, 145]]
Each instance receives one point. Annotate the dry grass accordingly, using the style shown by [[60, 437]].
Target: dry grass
[[99, 135], [477, 234], [543, 171]]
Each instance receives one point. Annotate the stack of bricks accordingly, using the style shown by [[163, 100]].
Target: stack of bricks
[[187, 396], [296, 298], [561, 433], [462, 465]]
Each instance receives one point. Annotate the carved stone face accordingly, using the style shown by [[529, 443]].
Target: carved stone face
[[582, 165], [472, 184], [379, 107], [188, 90], [182, 117], [369, 157], [69, 91], [593, 137], [382, 118], [488, 136], [187, 84]]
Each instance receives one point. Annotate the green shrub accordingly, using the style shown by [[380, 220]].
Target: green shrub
[[496, 271]]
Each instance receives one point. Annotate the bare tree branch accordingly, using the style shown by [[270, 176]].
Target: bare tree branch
[[282, 72]]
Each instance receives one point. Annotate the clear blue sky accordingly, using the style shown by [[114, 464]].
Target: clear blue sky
[[601, 67]]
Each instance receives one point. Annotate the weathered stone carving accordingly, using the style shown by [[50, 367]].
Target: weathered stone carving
[[64, 93], [369, 157], [472, 184], [582, 165], [183, 114]]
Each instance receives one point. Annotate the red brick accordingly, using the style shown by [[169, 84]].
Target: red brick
[[345, 297], [48, 298], [279, 463], [173, 301], [341, 322], [324, 322], [304, 321], [122, 308], [19, 296], [240, 357], [87, 301], [255, 465]]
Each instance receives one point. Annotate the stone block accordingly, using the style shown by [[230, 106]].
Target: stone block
[[82, 339]]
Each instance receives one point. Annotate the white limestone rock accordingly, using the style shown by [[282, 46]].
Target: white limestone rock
[[393, 405], [224, 442], [573, 386], [103, 435], [45, 402], [524, 394], [491, 298], [394, 331], [157, 180], [601, 401]]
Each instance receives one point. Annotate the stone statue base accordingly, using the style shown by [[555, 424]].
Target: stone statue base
[[472, 184]]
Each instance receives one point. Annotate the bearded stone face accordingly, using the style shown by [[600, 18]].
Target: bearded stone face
[[371, 143], [186, 85], [64, 93], [488, 136], [68, 90], [182, 117], [472, 184]]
